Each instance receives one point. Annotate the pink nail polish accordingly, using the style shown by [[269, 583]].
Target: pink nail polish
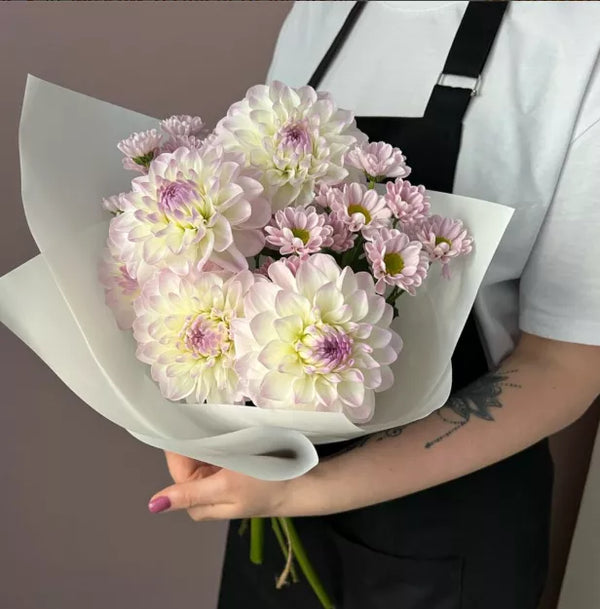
[[160, 504]]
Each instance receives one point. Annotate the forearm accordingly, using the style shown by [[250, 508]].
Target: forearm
[[527, 399]]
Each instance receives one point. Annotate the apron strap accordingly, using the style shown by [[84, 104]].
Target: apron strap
[[337, 44], [467, 56]]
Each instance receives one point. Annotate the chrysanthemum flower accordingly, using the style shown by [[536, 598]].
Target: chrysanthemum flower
[[396, 260], [183, 330], [319, 340], [182, 124], [293, 137], [444, 239], [409, 204], [114, 204], [360, 208], [299, 230], [342, 238], [194, 205], [140, 149], [182, 130], [378, 160]]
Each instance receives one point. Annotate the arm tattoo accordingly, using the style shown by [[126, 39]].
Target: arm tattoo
[[475, 400]]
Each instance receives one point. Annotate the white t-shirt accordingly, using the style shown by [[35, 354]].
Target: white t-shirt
[[531, 139]]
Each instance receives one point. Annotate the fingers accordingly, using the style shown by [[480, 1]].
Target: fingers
[[202, 492], [184, 468]]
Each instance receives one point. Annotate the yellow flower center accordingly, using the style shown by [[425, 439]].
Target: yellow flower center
[[301, 234], [359, 209], [439, 240], [394, 263]]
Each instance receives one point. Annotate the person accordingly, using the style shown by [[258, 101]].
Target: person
[[451, 511]]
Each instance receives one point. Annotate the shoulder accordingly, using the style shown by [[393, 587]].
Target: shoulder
[[305, 36]]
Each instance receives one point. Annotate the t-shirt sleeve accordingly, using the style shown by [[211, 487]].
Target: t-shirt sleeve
[[560, 285]]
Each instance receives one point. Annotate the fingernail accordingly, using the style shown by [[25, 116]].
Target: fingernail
[[160, 504]]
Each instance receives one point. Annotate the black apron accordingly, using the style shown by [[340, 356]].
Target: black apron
[[478, 542]]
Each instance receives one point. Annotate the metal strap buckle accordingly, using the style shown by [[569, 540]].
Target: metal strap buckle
[[474, 90]]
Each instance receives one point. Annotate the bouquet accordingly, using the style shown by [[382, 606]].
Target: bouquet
[[276, 283]]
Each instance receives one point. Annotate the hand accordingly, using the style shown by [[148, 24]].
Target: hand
[[208, 492]]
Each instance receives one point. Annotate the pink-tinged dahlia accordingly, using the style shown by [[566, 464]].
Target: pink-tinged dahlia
[[120, 288], [396, 260], [299, 230], [342, 238], [114, 204], [409, 204], [140, 149], [444, 239], [319, 340], [360, 208], [294, 138], [194, 205], [378, 160], [183, 330]]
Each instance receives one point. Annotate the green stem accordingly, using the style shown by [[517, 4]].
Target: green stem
[[243, 526], [283, 546], [305, 564], [257, 539]]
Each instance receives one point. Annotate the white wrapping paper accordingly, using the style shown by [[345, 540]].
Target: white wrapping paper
[[55, 304]]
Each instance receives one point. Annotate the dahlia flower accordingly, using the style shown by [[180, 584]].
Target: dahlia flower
[[408, 203], [359, 208], [140, 149], [183, 330], [299, 230], [294, 138], [120, 287], [378, 160], [396, 260], [194, 205], [444, 239], [319, 340]]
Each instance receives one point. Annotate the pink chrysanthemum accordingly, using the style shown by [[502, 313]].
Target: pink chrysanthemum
[[378, 160], [396, 260], [182, 130], [263, 269], [444, 239], [360, 208], [140, 149], [182, 124], [114, 204], [299, 230], [410, 204], [293, 262], [342, 238]]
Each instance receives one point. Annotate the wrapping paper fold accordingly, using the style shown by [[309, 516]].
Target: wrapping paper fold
[[55, 304]]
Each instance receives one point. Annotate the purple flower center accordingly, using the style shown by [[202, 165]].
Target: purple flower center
[[295, 135], [206, 337], [332, 350], [175, 195]]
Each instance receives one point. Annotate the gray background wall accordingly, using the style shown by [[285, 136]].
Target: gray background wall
[[73, 522]]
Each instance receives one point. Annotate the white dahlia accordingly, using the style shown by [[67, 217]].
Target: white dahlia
[[295, 138], [182, 327], [316, 340], [192, 207]]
